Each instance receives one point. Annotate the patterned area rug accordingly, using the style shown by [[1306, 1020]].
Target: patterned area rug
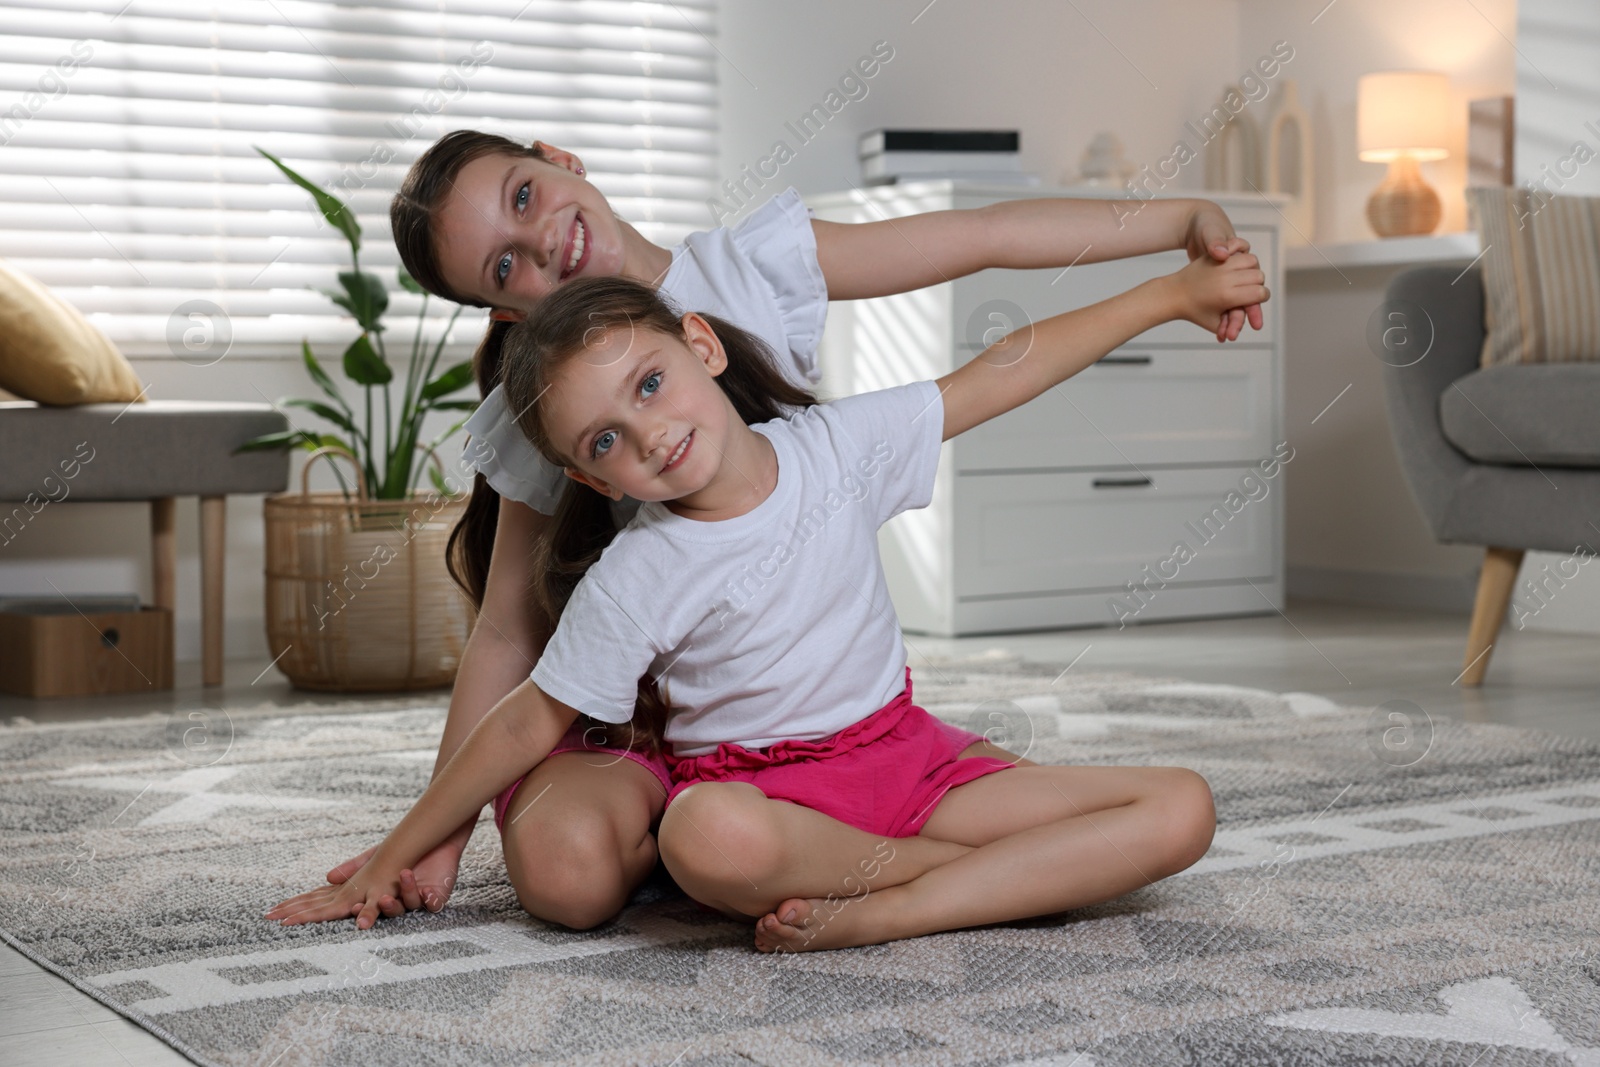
[[1382, 890]]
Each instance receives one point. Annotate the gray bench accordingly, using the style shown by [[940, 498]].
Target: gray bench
[[155, 451]]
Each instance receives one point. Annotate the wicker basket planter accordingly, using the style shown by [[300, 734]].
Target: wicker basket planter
[[357, 594]]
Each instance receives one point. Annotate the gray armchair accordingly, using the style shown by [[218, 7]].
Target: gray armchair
[[1507, 457]]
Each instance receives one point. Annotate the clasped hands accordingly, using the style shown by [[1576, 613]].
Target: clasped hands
[[1210, 235]]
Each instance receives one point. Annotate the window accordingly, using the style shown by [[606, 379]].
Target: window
[[131, 187]]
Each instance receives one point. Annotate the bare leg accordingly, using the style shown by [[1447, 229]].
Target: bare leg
[[730, 846], [1049, 839], [577, 836]]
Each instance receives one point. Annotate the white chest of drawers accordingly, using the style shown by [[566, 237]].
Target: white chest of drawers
[[1132, 492]]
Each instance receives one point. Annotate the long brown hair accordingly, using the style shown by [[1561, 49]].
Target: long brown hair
[[471, 543], [569, 320], [423, 191]]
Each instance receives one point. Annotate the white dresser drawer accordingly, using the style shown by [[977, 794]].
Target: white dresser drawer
[[980, 297], [1017, 535], [1039, 534], [1136, 406]]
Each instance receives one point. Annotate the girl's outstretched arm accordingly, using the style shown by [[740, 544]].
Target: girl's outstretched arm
[[868, 259], [516, 735], [1034, 358]]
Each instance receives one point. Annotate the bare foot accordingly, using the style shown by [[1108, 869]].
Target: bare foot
[[807, 920], [814, 923]]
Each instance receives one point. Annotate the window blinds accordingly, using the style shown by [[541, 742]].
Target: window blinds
[[129, 184]]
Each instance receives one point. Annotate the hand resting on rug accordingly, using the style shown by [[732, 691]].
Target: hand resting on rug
[[429, 886], [517, 734]]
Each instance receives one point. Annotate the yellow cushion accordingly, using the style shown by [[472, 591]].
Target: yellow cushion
[[50, 353]]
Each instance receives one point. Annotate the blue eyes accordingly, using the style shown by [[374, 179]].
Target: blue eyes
[[502, 270], [647, 388]]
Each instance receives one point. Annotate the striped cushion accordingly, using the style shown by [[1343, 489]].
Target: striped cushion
[[1541, 275]]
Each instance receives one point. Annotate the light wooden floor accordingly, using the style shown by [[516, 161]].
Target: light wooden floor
[[1354, 655]]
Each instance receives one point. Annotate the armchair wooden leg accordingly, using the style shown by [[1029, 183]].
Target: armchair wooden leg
[[213, 553], [1500, 567]]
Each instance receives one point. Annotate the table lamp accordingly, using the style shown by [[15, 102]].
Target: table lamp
[[1402, 119]]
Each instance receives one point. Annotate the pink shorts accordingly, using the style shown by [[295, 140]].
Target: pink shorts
[[884, 774], [574, 741]]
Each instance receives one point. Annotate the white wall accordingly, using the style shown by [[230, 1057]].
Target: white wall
[[1353, 531], [1471, 42], [1062, 72], [1059, 73], [1558, 90], [1558, 97]]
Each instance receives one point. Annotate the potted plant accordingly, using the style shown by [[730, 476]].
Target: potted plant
[[357, 593]]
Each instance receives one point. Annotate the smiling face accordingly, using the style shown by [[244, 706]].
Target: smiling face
[[638, 412], [513, 228]]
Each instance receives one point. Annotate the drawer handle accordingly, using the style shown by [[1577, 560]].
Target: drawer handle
[[1124, 361], [1120, 483]]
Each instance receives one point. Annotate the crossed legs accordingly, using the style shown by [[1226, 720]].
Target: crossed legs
[[1021, 842]]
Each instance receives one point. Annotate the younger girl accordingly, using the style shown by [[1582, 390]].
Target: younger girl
[[748, 585], [486, 221]]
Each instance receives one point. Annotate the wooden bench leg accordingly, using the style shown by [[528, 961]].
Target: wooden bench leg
[[164, 552], [213, 555], [1500, 566]]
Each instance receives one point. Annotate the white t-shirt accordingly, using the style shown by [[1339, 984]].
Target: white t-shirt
[[761, 274], [774, 624]]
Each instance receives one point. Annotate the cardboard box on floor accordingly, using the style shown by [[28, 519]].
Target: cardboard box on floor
[[74, 655]]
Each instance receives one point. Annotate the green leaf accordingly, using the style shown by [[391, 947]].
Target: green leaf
[[322, 379], [315, 441], [361, 311], [333, 209], [365, 297], [363, 365], [281, 440], [410, 284], [454, 405], [333, 415], [456, 377], [438, 480]]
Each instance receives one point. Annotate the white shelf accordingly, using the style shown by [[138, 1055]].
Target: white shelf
[[1384, 252]]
